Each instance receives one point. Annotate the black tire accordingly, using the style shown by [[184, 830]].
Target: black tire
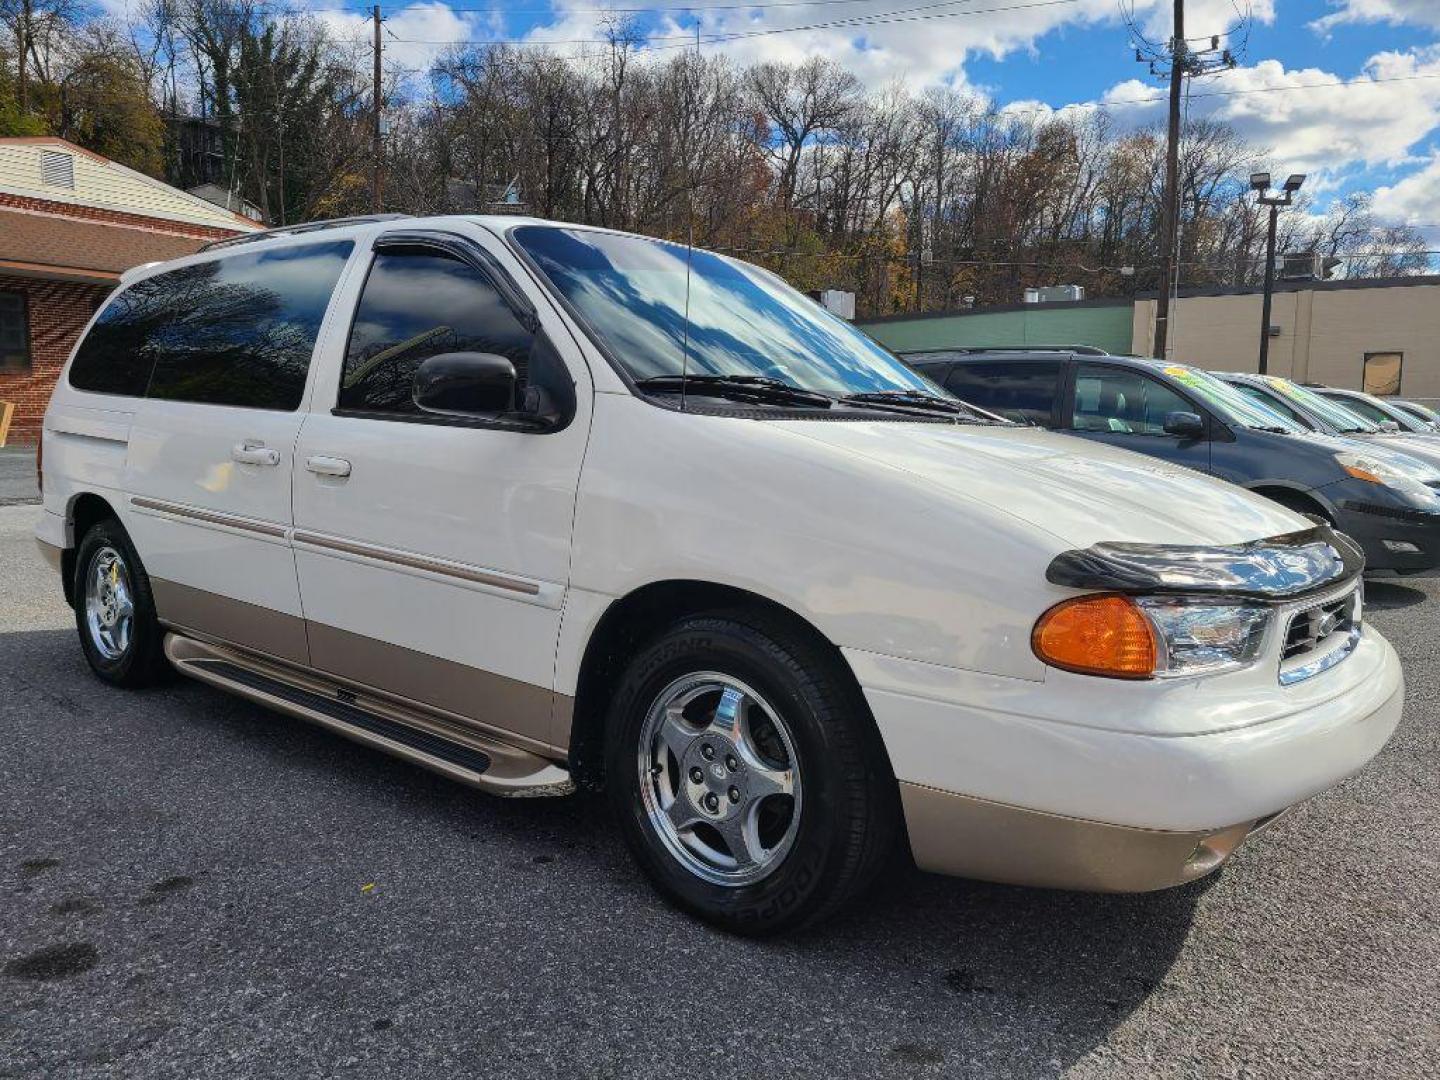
[[849, 822], [142, 662]]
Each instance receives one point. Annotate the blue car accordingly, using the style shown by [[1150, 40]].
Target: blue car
[[1386, 500]]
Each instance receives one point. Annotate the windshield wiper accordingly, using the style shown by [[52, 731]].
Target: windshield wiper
[[758, 388], [911, 399]]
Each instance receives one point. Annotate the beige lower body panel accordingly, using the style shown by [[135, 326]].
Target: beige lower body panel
[[518, 707], [975, 838], [492, 704], [52, 555], [249, 625]]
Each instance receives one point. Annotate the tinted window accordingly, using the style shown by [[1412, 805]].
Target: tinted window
[[1125, 402], [1021, 390], [417, 304], [238, 330], [14, 332]]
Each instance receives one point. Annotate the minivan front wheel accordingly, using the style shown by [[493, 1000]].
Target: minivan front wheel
[[114, 611], [748, 777]]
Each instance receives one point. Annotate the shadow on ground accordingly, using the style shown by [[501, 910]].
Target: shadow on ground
[[1389, 595]]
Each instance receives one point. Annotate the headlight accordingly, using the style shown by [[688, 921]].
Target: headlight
[[1145, 637], [1363, 467], [1204, 636]]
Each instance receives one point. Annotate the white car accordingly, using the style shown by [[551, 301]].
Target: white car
[[537, 505]]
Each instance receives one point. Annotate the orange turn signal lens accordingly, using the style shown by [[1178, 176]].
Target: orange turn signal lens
[[1097, 635], [1359, 472]]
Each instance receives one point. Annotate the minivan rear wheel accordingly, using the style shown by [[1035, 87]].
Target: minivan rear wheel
[[746, 772], [114, 610]]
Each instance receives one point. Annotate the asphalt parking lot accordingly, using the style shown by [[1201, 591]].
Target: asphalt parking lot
[[195, 887], [17, 475]]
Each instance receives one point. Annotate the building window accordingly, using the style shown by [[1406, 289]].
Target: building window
[[1382, 373], [57, 169], [14, 332]]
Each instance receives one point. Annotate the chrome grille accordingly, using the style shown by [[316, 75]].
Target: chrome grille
[[1319, 636]]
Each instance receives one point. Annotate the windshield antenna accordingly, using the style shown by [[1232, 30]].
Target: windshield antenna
[[689, 221]]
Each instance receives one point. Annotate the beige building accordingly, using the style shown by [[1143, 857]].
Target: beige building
[[1382, 335]]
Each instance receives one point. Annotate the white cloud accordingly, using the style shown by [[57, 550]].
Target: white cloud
[[414, 36], [1413, 200], [1306, 125], [918, 47], [1395, 12]]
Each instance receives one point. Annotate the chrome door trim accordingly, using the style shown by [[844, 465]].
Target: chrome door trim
[[209, 517], [413, 561]]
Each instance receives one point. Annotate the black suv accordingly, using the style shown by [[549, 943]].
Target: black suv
[[1385, 499]]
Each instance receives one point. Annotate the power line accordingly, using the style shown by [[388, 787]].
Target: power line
[[900, 15]]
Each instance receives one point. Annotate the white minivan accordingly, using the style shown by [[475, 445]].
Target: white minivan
[[538, 505]]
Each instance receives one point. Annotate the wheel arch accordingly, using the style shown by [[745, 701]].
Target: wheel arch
[[633, 620], [1295, 498], [82, 512]]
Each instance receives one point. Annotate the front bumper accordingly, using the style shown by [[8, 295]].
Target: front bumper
[[1407, 541], [965, 837], [996, 791]]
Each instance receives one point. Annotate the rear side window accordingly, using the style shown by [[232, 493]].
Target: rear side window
[[418, 303], [239, 330], [1022, 390]]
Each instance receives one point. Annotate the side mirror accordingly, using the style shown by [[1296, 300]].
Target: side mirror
[[1389, 425], [1185, 425], [465, 384]]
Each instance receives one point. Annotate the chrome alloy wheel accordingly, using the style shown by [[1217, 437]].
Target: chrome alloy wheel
[[719, 778], [109, 604]]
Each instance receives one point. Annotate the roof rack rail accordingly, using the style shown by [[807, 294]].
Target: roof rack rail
[[295, 230], [1079, 350]]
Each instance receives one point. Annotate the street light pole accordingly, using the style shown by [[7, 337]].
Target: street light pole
[[1269, 291], [1260, 182]]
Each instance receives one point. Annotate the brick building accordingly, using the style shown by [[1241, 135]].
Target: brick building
[[71, 222]]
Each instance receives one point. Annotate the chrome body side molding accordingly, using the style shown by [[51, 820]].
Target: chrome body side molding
[[208, 517], [409, 560]]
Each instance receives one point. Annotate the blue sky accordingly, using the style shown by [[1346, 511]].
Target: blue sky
[[1377, 132]]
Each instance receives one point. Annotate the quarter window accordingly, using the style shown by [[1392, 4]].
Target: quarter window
[[1382, 373], [1022, 390], [14, 332], [1124, 402], [418, 303], [238, 330]]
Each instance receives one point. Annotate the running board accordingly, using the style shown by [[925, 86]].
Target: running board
[[405, 731]]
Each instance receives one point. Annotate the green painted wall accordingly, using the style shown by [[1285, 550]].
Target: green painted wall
[[1107, 327]]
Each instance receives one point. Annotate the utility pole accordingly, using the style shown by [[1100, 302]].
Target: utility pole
[[22, 32], [376, 146], [1170, 211], [1175, 61]]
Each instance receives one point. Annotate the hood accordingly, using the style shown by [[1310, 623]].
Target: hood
[[1420, 461], [1076, 490]]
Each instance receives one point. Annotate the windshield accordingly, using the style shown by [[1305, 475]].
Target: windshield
[[1377, 412], [738, 320], [1229, 402], [1329, 412], [1424, 412]]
